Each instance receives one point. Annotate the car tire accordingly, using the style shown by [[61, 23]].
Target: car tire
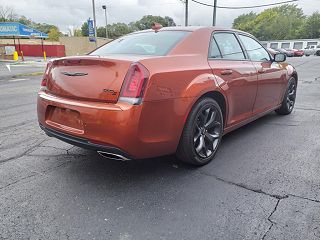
[[202, 133], [289, 99], [317, 53]]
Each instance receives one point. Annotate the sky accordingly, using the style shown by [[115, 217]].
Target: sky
[[72, 13]]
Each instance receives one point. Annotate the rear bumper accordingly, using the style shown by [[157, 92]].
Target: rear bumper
[[85, 143], [148, 130]]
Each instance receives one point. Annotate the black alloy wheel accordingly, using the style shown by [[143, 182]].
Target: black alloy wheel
[[289, 99], [207, 131], [291, 96], [202, 133]]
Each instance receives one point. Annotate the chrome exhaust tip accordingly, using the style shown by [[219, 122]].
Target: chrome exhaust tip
[[112, 156]]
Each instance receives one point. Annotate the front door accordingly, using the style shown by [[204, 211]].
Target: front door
[[271, 76]]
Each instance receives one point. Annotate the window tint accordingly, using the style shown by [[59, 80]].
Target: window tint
[[147, 43], [229, 46], [254, 49], [214, 51]]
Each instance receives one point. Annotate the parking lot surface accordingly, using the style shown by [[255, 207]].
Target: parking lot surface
[[263, 184]]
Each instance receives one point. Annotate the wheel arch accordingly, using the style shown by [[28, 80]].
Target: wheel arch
[[295, 75], [217, 96], [291, 72], [221, 100]]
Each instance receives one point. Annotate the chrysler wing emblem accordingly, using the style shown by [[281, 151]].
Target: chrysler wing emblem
[[74, 74]]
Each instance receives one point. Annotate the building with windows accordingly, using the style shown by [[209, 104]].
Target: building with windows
[[292, 44]]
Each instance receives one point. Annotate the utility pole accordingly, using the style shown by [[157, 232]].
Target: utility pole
[[105, 15], [186, 13], [94, 21], [214, 16]]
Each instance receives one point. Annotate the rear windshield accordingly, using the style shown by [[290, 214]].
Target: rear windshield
[[148, 43]]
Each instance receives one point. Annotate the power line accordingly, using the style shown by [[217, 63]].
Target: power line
[[244, 7]]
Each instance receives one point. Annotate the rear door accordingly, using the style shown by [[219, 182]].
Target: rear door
[[271, 75], [235, 73]]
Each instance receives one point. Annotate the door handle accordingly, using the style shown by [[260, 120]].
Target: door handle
[[226, 72], [261, 70]]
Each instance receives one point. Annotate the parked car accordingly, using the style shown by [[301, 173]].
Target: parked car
[[312, 50], [286, 52], [290, 52], [174, 90], [272, 51], [297, 53]]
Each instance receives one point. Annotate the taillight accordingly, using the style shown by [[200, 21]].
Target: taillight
[[44, 82], [45, 77], [134, 84]]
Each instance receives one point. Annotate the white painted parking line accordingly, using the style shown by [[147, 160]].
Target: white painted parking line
[[19, 79]]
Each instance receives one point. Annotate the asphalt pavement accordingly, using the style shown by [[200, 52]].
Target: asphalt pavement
[[11, 69], [263, 184]]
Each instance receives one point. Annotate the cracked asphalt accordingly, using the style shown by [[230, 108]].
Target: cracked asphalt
[[263, 184]]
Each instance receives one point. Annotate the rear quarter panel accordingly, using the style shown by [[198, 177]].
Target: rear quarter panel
[[176, 82]]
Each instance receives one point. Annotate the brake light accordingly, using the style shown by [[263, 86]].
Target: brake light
[[45, 77], [134, 84], [44, 82]]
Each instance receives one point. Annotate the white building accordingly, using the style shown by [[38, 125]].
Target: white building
[[292, 44]]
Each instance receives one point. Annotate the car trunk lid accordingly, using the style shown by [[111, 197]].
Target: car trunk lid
[[88, 78]]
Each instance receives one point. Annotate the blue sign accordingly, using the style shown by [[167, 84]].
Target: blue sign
[[10, 29], [91, 31]]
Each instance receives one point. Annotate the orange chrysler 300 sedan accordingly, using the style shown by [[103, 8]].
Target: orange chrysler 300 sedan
[[173, 90]]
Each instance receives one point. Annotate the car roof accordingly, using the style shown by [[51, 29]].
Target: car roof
[[193, 29]]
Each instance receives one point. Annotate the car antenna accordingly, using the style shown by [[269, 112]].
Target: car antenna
[[156, 26]]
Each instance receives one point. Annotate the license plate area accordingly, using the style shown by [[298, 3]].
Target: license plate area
[[64, 119]]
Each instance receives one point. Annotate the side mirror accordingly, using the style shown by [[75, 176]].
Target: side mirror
[[279, 57]]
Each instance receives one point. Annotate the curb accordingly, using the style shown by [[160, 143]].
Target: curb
[[21, 75], [28, 74]]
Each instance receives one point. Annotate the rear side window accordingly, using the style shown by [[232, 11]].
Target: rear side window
[[254, 49], [147, 43], [214, 50], [229, 46]]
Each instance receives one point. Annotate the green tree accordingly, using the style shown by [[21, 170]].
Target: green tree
[[101, 32], [7, 14], [44, 27], [77, 33], [117, 30], [169, 21], [85, 29], [311, 27], [146, 22], [54, 34], [245, 21], [282, 22], [25, 21]]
